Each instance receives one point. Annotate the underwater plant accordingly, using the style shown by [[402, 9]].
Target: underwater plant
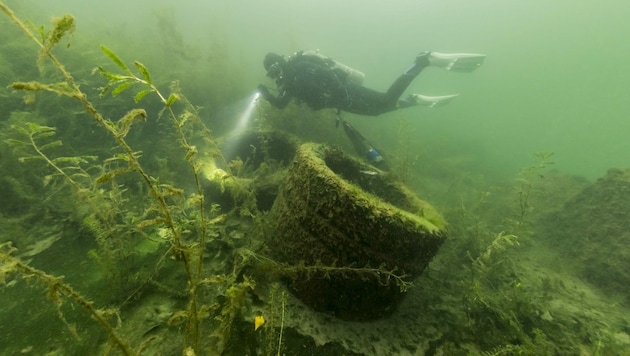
[[121, 202], [180, 219], [56, 291], [525, 186]]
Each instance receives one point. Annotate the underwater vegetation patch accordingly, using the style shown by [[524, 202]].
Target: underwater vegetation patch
[[171, 246]]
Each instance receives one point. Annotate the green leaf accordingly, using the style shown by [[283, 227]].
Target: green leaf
[[104, 90], [41, 134], [117, 157], [39, 29], [194, 199], [171, 99], [62, 25], [79, 175], [28, 86], [190, 152], [125, 123], [119, 89], [149, 222], [141, 94], [111, 175], [116, 59], [61, 88], [113, 77], [28, 158], [183, 118], [75, 161], [169, 190], [21, 129], [13, 142], [35, 128], [104, 178], [144, 71], [51, 145]]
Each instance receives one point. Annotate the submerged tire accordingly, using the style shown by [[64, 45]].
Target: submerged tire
[[334, 211]]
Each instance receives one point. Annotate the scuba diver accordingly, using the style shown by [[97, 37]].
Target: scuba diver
[[321, 82]]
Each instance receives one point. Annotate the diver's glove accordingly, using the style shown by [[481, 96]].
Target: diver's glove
[[264, 91]]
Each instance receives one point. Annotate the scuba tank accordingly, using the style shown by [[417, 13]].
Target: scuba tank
[[352, 75]]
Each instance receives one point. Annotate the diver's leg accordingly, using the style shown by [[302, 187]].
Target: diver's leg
[[401, 83], [365, 101]]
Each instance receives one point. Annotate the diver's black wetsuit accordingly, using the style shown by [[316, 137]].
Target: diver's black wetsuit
[[316, 82]]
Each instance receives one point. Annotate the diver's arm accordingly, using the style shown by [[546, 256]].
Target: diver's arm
[[280, 101]]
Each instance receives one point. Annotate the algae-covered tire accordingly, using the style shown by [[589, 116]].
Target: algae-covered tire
[[334, 211]]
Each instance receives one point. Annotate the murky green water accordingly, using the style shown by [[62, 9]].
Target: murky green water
[[536, 254]]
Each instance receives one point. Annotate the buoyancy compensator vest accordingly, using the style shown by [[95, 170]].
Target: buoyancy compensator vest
[[345, 72]]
